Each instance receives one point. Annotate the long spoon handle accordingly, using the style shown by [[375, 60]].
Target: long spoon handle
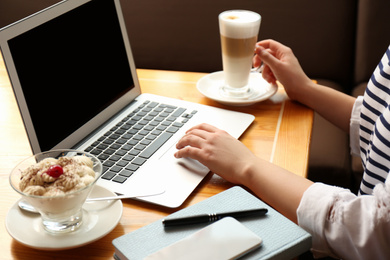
[[119, 197]]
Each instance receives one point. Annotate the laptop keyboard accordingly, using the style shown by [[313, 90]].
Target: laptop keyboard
[[128, 145]]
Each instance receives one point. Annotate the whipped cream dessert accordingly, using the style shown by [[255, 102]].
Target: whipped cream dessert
[[53, 177]]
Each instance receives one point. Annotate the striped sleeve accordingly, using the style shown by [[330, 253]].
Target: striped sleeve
[[375, 127]]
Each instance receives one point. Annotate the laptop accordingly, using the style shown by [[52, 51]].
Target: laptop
[[75, 82]]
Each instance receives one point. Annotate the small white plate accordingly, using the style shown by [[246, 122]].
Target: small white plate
[[99, 219], [211, 84]]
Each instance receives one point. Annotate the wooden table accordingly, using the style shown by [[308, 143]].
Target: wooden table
[[281, 134]]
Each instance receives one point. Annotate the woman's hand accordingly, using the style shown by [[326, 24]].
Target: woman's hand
[[217, 150], [281, 64]]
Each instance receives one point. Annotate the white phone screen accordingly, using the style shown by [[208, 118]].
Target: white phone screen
[[224, 239]]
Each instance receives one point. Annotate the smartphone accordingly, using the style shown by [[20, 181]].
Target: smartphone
[[224, 239]]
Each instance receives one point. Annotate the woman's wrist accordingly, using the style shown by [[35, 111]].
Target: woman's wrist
[[304, 93], [251, 173]]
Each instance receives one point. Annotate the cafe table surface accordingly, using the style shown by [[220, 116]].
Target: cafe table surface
[[280, 133]]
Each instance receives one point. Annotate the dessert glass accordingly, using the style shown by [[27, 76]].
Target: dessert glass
[[61, 213]]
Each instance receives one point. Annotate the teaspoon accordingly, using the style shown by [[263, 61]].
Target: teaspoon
[[24, 205]]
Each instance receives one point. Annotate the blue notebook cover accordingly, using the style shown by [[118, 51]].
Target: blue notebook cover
[[282, 239]]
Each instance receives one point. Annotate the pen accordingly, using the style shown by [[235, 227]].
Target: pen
[[212, 217]]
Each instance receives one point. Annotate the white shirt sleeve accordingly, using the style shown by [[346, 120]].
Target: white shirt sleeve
[[344, 225], [354, 126]]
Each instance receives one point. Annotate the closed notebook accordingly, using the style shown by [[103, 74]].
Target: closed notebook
[[282, 239]]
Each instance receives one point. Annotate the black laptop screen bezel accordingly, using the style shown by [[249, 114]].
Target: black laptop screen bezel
[[70, 70]]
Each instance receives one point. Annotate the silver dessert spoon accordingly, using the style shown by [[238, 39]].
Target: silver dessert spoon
[[24, 205]]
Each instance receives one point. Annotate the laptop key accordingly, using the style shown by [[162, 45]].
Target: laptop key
[[127, 136], [120, 131], [121, 141], [138, 127], [153, 104], [179, 111], [154, 123], [116, 169], [131, 122], [137, 138], [96, 151], [147, 109], [148, 128], [121, 152], [178, 124], [108, 163], [132, 131], [108, 175], [153, 147], [132, 142], [151, 137], [132, 167], [144, 132], [134, 152], [122, 163], [102, 146], [166, 123], [156, 132], [108, 141], [160, 128], [115, 146], [115, 158], [109, 151], [145, 142], [103, 157], [126, 173], [88, 149], [138, 161], [127, 147], [119, 179], [128, 157], [140, 147], [171, 118], [172, 129]]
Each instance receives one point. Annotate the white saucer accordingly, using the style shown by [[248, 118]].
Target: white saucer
[[211, 84], [99, 219]]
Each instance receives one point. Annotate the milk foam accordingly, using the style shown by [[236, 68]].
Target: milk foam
[[239, 24]]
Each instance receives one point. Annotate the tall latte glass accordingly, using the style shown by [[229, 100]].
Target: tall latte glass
[[239, 30]]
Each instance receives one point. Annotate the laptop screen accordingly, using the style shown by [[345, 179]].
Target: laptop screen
[[71, 68]]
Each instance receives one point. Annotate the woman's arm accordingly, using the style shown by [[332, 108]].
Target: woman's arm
[[229, 158]]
